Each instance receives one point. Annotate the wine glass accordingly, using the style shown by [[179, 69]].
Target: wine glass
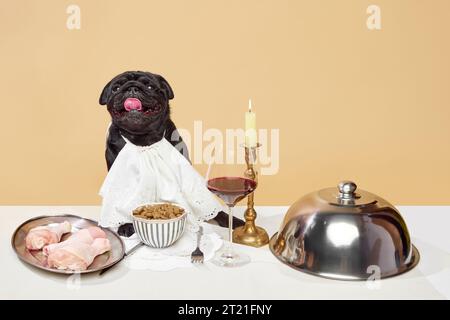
[[229, 183]]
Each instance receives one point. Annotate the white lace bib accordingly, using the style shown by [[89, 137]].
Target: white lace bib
[[156, 173]]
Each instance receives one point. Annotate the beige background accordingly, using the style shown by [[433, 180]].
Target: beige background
[[373, 106]]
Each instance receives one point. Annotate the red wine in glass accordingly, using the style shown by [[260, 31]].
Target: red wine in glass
[[231, 189]]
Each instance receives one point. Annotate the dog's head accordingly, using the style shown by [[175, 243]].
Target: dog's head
[[137, 101]]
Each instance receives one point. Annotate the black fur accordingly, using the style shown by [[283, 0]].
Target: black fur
[[143, 127]]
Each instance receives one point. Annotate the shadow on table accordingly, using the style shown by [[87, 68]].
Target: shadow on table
[[76, 280], [433, 260]]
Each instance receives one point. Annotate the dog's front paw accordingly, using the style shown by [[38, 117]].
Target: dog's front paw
[[222, 220], [126, 230]]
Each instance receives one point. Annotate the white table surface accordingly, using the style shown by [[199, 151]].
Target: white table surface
[[264, 278]]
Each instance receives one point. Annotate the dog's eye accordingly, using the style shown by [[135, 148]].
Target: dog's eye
[[150, 87], [115, 88]]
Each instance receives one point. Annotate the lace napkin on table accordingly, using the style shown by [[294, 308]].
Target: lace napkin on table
[[155, 173], [176, 256]]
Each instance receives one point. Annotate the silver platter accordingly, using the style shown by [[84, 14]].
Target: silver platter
[[37, 259]]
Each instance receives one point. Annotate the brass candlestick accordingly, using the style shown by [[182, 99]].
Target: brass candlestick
[[249, 234]]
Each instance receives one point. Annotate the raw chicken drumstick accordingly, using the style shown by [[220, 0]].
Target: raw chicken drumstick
[[87, 236], [77, 256], [38, 237]]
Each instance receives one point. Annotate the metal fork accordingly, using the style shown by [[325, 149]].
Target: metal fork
[[197, 255]]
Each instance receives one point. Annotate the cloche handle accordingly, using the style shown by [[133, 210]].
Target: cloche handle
[[347, 189]]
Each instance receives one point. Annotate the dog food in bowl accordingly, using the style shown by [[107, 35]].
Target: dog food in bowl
[[159, 225], [158, 211]]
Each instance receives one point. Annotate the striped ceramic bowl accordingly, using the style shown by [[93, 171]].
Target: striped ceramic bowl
[[160, 233]]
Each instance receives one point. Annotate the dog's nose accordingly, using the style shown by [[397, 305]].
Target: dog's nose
[[133, 90]]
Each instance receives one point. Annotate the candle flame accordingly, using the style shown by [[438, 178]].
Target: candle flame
[[249, 105]]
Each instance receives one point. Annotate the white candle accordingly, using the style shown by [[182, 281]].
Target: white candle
[[250, 127]]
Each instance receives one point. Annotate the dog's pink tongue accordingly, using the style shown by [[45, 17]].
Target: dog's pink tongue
[[132, 104]]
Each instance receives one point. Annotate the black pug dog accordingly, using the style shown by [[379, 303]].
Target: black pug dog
[[138, 103]]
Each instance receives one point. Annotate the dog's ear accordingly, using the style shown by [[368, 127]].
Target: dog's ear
[[166, 87], [105, 94]]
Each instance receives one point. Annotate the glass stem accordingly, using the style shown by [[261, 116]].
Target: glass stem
[[230, 225]]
